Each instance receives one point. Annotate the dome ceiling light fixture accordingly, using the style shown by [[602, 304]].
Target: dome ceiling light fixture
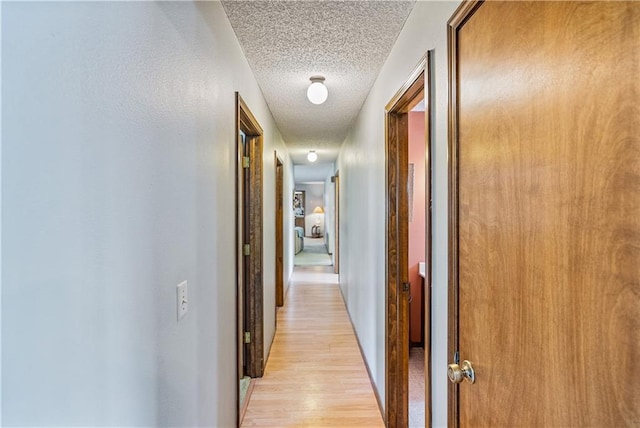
[[317, 92], [312, 156]]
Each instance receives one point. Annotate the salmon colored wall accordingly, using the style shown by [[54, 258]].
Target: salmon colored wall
[[417, 234]]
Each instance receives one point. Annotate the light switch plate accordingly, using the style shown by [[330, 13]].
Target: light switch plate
[[181, 299]]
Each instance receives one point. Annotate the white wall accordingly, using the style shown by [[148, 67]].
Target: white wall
[[118, 180], [289, 223], [362, 179], [1, 276], [273, 141]]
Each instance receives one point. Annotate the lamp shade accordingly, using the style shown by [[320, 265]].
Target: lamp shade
[[318, 210]]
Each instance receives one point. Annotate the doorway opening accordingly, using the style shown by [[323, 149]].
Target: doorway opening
[[408, 170], [249, 280], [310, 233]]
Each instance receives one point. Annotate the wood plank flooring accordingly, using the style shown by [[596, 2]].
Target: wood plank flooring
[[315, 375]]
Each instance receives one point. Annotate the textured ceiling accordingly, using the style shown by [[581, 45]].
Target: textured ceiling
[[287, 42]]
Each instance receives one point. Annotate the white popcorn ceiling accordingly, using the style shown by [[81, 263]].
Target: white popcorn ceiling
[[287, 42]]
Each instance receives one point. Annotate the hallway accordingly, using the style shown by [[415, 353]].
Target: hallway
[[315, 375], [162, 162]]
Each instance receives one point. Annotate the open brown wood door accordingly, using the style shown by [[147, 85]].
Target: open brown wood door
[[249, 262], [279, 259], [545, 213]]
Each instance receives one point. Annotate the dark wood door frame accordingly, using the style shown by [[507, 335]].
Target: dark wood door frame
[[249, 238], [279, 200], [461, 15], [336, 221], [417, 87]]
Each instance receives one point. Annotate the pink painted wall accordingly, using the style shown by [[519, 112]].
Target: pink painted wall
[[417, 234]]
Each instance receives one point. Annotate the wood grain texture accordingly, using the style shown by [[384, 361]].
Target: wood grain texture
[[464, 12], [548, 169], [403, 264], [239, 239], [250, 187], [397, 246], [315, 376], [336, 235], [394, 416], [255, 291], [279, 166]]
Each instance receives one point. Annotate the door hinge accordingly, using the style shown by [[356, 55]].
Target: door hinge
[[247, 337], [246, 250], [406, 286], [245, 161]]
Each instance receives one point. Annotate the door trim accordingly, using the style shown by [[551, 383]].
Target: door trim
[[456, 22], [279, 256], [336, 223], [416, 87], [249, 279], [246, 121]]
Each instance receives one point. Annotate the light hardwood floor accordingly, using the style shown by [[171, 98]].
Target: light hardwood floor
[[315, 375]]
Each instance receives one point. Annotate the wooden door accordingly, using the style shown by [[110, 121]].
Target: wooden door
[[279, 231], [249, 266], [336, 224], [254, 298], [240, 265], [545, 213], [247, 309]]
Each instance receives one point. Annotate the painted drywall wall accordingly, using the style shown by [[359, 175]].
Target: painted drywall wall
[[118, 174], [362, 180], [288, 224], [273, 141], [1, 220], [417, 222]]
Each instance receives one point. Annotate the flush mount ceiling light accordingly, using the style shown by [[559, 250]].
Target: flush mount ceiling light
[[317, 92], [312, 156]]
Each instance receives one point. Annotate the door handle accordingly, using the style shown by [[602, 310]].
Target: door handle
[[457, 373]]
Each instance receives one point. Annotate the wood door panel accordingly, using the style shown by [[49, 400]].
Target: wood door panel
[[548, 183], [249, 191], [279, 166]]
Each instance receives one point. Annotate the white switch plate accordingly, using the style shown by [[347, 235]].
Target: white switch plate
[[182, 302]]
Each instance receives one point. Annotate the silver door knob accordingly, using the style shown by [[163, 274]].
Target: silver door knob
[[456, 373]]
